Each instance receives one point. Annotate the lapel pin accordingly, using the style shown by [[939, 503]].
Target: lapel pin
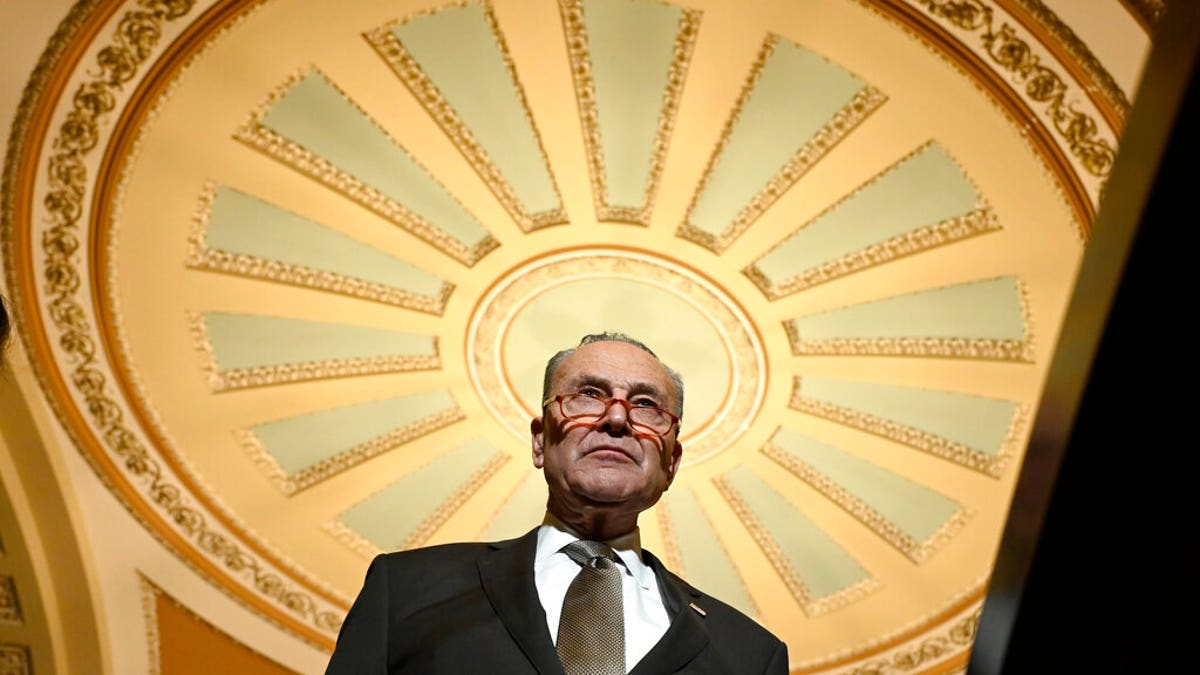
[[698, 610]]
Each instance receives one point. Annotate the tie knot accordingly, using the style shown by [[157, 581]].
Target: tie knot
[[584, 552]]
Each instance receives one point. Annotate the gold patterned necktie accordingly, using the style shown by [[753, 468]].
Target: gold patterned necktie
[[591, 632]]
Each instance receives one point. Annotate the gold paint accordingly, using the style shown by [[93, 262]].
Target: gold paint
[[426, 92], [956, 347], [150, 594], [917, 551], [273, 145], [1147, 12], [201, 257], [951, 641], [811, 606], [991, 465], [585, 96], [1040, 83], [1097, 83], [10, 606], [351, 539], [497, 308], [132, 42], [843, 122], [262, 376], [1014, 105], [290, 484], [15, 660]]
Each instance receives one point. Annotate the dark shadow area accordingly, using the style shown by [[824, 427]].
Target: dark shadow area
[[1093, 573]]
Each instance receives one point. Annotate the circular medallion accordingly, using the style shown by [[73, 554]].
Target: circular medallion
[[549, 303]]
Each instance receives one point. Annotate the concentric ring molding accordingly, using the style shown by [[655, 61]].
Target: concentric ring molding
[[101, 226]]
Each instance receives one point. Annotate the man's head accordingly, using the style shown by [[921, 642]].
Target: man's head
[[602, 472]]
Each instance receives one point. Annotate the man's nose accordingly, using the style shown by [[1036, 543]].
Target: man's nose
[[616, 415]]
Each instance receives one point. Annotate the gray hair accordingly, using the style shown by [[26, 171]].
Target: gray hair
[[608, 336]]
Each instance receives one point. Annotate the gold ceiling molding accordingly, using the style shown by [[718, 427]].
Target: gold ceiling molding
[[201, 257], [947, 651], [916, 551], [1014, 54], [426, 92], [264, 376], [270, 143], [1075, 56], [115, 451], [991, 465], [10, 606], [585, 96], [291, 483], [150, 593], [14, 659], [843, 122], [810, 605], [978, 64], [514, 289]]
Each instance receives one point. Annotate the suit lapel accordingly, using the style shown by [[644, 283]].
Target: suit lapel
[[688, 632], [507, 577]]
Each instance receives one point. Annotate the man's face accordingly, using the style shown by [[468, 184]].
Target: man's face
[[604, 463]]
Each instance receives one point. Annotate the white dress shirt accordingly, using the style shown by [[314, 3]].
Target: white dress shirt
[[645, 616]]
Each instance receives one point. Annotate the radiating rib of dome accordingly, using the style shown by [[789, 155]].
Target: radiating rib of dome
[[924, 200], [314, 128], [977, 432], [975, 320], [701, 556], [237, 233], [524, 507], [794, 108], [249, 350], [457, 65], [821, 575], [911, 517], [405, 513], [629, 61], [300, 451]]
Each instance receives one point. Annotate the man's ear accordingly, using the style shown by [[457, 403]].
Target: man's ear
[[537, 441], [673, 468]]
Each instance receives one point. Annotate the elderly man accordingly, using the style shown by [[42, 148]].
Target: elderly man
[[577, 595]]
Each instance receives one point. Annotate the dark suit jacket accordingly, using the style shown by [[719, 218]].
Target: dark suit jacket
[[473, 608]]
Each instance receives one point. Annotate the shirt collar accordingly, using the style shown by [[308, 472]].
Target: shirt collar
[[555, 534]]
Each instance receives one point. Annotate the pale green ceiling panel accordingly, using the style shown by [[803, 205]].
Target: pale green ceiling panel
[[464, 60], [243, 341], [797, 106], [704, 560], [522, 510], [319, 118], [978, 319], [925, 190], [631, 45], [309, 448], [404, 513], [244, 225], [819, 572], [971, 430], [912, 517]]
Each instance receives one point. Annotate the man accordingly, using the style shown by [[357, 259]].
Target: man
[[607, 442]]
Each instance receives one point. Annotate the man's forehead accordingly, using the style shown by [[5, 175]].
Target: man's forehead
[[616, 363]]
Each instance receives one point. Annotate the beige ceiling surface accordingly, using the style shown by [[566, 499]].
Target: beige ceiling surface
[[291, 270]]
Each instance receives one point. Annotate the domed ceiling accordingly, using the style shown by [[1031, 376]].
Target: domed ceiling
[[290, 271]]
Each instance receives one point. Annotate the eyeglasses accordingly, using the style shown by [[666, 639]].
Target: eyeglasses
[[643, 419]]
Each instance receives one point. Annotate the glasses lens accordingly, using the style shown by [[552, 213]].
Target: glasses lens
[[654, 419], [582, 405]]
